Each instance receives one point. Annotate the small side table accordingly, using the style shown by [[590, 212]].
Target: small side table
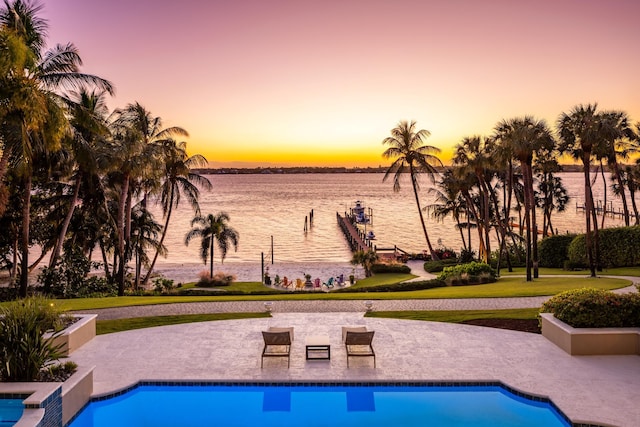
[[318, 347]]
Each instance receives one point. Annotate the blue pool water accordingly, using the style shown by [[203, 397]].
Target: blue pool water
[[10, 411], [318, 405]]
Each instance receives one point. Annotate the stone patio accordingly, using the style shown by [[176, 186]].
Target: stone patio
[[602, 390]]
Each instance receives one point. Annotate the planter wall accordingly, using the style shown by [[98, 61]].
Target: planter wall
[[590, 341], [52, 404], [76, 392], [43, 407], [78, 334]]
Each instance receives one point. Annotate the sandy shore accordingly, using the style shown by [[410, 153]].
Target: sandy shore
[[251, 272]]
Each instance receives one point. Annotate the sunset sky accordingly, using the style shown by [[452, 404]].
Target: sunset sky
[[296, 82]]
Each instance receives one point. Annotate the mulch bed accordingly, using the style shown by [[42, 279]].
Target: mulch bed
[[523, 325]]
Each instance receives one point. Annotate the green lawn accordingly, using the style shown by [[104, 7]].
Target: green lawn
[[618, 271], [457, 316], [119, 325], [505, 287]]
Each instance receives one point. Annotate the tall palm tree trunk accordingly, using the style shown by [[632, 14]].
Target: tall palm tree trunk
[[527, 218], [164, 234], [588, 198], [65, 225], [534, 223], [4, 192], [482, 250], [211, 260], [604, 188], [484, 190], [121, 234], [623, 195], [632, 196], [434, 256], [24, 242]]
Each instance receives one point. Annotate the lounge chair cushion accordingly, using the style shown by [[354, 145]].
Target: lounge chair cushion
[[276, 344], [346, 329], [282, 329], [359, 344]]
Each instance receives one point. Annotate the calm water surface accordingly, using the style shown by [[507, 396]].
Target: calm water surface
[[261, 206], [333, 406]]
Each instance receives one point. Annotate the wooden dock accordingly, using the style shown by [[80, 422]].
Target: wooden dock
[[603, 210], [354, 236]]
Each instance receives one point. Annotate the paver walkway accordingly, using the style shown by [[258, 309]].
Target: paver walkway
[[325, 306]]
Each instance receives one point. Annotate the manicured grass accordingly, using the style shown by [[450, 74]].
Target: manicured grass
[[618, 271], [505, 287], [453, 316], [119, 325], [457, 316]]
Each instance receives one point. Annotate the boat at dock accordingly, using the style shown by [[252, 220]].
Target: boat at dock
[[360, 213]]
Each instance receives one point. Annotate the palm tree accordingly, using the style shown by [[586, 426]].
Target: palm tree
[[412, 157], [366, 259], [631, 179], [135, 154], [88, 120], [144, 233], [472, 156], [580, 132], [449, 201], [615, 143], [210, 228], [36, 122], [552, 195], [526, 137], [178, 179]]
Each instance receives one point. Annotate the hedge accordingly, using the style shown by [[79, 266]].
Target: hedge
[[438, 266], [390, 268], [416, 285], [553, 251], [470, 273], [595, 308], [619, 247]]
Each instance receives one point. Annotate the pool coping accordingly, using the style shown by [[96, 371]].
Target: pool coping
[[345, 383]]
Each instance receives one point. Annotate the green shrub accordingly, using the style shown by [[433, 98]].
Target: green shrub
[[553, 251], [595, 308], [162, 285], [619, 247], [390, 268], [471, 273], [69, 278], [515, 252], [416, 285], [24, 351], [438, 266]]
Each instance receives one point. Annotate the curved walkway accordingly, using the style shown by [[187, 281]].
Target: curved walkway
[[325, 306]]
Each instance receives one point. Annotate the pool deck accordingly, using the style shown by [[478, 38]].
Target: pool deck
[[603, 390]]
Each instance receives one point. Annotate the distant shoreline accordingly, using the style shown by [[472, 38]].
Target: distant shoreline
[[325, 169]]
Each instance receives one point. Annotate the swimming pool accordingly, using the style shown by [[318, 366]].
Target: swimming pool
[[316, 405], [10, 411]]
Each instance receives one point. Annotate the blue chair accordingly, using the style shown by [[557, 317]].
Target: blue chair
[[329, 283]]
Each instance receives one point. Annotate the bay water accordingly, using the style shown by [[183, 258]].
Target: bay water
[[263, 207]]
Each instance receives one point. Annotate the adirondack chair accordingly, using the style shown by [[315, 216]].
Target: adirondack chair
[[329, 283], [286, 283]]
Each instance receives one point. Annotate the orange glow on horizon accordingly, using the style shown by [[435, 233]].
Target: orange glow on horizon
[[322, 84]]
